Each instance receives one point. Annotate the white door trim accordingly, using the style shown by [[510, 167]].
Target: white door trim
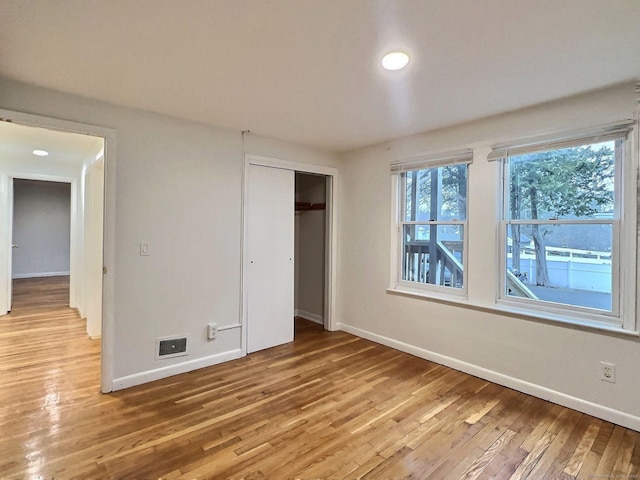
[[331, 256], [109, 136], [7, 242]]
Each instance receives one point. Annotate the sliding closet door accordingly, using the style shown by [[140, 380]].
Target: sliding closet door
[[270, 246]]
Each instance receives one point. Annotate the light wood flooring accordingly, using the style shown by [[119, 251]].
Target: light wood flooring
[[329, 405]]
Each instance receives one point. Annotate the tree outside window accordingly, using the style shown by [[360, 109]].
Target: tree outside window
[[434, 206], [560, 215]]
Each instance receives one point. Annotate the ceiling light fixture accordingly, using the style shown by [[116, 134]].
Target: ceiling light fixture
[[395, 60], [40, 153]]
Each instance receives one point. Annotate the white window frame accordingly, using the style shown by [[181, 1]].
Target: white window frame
[[398, 169], [624, 222]]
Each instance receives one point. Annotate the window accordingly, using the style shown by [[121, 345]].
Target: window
[[432, 220], [563, 226]]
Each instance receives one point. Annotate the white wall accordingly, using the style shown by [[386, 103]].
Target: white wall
[[310, 248], [178, 186], [549, 360], [41, 228], [92, 245], [291, 152]]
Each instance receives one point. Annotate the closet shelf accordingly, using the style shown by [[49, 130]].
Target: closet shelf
[[305, 206]]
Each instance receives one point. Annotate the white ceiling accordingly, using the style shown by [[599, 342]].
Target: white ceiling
[[17, 143], [308, 71]]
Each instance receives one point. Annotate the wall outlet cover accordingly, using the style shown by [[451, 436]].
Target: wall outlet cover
[[608, 372], [212, 331]]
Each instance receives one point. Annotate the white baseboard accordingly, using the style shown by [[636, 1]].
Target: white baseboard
[[164, 372], [310, 316], [42, 274], [609, 414]]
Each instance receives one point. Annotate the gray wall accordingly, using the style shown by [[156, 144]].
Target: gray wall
[[41, 228]]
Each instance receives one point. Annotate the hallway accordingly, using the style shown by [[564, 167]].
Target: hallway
[[51, 293], [49, 371]]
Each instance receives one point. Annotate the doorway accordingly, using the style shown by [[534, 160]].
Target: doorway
[[36, 165], [40, 243], [51, 210], [310, 246], [268, 202], [102, 165]]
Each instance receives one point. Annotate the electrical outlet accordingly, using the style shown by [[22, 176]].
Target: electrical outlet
[[212, 330], [607, 372]]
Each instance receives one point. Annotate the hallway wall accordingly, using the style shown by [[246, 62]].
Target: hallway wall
[[41, 228]]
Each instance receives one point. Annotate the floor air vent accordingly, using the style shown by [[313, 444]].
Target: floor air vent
[[171, 347]]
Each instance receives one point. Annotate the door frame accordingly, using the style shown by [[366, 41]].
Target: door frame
[[331, 238], [73, 228], [7, 192], [108, 243]]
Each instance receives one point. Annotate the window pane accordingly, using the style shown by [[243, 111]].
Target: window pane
[[440, 194], [567, 183], [568, 264], [433, 254]]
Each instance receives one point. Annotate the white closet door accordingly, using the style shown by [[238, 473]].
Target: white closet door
[[270, 248]]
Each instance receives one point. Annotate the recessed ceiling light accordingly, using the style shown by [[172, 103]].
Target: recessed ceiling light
[[40, 153], [395, 60]]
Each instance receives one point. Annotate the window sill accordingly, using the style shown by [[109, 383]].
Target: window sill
[[452, 298], [462, 301]]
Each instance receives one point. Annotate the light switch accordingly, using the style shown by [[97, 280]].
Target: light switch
[[144, 249]]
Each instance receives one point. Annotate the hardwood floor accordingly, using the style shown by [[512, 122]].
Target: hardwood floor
[[329, 405], [40, 293]]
